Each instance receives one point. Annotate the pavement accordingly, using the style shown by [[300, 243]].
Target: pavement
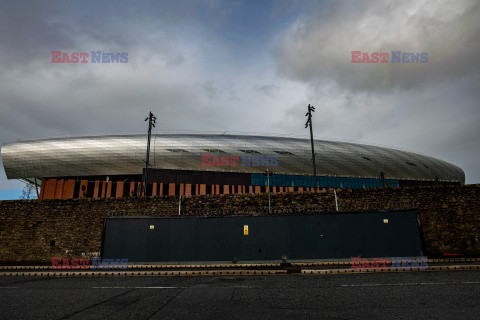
[[215, 269], [396, 295]]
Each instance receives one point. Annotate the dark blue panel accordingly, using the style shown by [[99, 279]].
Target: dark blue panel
[[300, 237]]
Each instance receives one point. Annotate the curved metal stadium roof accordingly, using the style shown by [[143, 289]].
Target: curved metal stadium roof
[[124, 154]]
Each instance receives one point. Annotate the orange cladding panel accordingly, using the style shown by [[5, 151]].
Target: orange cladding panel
[[59, 189], [171, 189], [104, 189], [119, 192], [154, 189], [50, 188], [68, 189], [109, 189]]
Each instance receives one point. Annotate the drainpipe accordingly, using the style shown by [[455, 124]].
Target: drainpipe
[[336, 199], [179, 204]]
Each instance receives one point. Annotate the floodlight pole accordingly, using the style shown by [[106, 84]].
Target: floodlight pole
[[151, 123], [309, 123]]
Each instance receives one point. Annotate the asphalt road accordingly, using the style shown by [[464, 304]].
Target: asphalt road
[[412, 295]]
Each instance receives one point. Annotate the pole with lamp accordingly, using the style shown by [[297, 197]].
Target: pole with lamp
[[151, 123], [309, 123]]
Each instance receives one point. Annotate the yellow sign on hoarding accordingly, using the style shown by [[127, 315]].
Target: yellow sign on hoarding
[[245, 230]]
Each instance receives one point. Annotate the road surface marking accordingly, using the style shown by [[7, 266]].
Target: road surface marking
[[135, 287], [407, 284]]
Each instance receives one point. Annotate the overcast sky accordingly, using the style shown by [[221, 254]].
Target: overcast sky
[[246, 66]]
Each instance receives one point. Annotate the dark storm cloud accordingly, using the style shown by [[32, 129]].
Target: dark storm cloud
[[175, 48], [317, 48], [431, 108], [26, 33]]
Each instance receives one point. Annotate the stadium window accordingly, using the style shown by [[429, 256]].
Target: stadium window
[[411, 164], [176, 150], [250, 151], [213, 151], [283, 152]]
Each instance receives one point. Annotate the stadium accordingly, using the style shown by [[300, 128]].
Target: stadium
[[198, 164]]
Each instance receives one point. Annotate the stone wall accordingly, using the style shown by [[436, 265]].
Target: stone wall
[[32, 231]]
